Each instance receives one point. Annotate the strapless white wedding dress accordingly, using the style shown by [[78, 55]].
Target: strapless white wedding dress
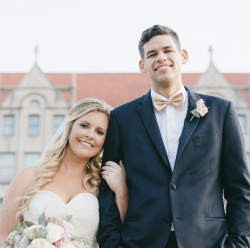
[[83, 209]]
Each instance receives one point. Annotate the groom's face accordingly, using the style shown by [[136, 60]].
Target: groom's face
[[162, 61]]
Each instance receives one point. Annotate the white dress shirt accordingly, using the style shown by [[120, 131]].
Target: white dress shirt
[[171, 121]]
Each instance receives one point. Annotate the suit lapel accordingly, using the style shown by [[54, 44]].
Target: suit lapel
[[189, 126], [146, 113]]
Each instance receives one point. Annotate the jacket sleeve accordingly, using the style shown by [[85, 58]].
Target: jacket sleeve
[[109, 233], [236, 182]]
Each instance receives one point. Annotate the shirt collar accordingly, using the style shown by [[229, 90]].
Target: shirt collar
[[182, 89]]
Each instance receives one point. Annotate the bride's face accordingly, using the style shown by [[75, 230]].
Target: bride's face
[[87, 135]]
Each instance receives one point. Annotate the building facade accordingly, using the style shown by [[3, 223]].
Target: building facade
[[33, 105]]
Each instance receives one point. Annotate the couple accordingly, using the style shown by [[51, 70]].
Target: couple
[[181, 151]]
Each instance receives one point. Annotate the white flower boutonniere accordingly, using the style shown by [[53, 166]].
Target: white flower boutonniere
[[200, 110]]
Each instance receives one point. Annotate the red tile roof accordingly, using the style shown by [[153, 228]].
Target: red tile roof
[[189, 79], [238, 79], [60, 79], [115, 88], [10, 79]]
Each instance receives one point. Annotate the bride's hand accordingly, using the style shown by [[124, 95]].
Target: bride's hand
[[115, 176]]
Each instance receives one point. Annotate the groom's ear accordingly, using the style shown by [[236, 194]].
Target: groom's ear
[[141, 66]]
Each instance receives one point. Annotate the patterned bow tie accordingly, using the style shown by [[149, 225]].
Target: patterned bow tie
[[177, 101]]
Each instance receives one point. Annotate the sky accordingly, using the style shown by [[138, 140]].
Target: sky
[[97, 36]]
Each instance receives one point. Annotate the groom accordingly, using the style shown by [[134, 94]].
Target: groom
[[182, 151]]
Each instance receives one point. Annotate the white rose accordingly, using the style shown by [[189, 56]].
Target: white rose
[[35, 231], [40, 243], [55, 232]]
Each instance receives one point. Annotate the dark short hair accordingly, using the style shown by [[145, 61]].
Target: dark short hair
[[149, 33]]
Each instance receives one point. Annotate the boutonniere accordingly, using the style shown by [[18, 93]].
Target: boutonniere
[[200, 110]]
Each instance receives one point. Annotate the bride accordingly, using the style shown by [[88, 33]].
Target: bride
[[67, 178]]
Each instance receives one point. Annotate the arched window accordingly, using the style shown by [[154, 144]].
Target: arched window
[[35, 104]]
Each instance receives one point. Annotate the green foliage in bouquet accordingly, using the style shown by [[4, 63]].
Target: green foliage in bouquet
[[48, 233]]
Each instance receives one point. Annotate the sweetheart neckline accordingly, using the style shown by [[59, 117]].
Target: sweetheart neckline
[[67, 203]]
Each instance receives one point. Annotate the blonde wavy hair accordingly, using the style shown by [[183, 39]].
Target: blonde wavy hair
[[55, 150]]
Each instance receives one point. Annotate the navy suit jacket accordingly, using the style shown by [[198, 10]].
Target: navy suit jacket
[[210, 162]]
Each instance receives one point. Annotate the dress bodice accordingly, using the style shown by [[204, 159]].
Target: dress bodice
[[83, 209]]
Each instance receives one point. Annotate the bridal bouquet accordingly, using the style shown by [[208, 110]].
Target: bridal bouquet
[[48, 233]]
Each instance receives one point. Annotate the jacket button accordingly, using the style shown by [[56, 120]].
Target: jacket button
[[173, 186]]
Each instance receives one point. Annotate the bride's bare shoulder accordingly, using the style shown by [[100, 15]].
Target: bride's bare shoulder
[[24, 178], [13, 199], [28, 173]]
